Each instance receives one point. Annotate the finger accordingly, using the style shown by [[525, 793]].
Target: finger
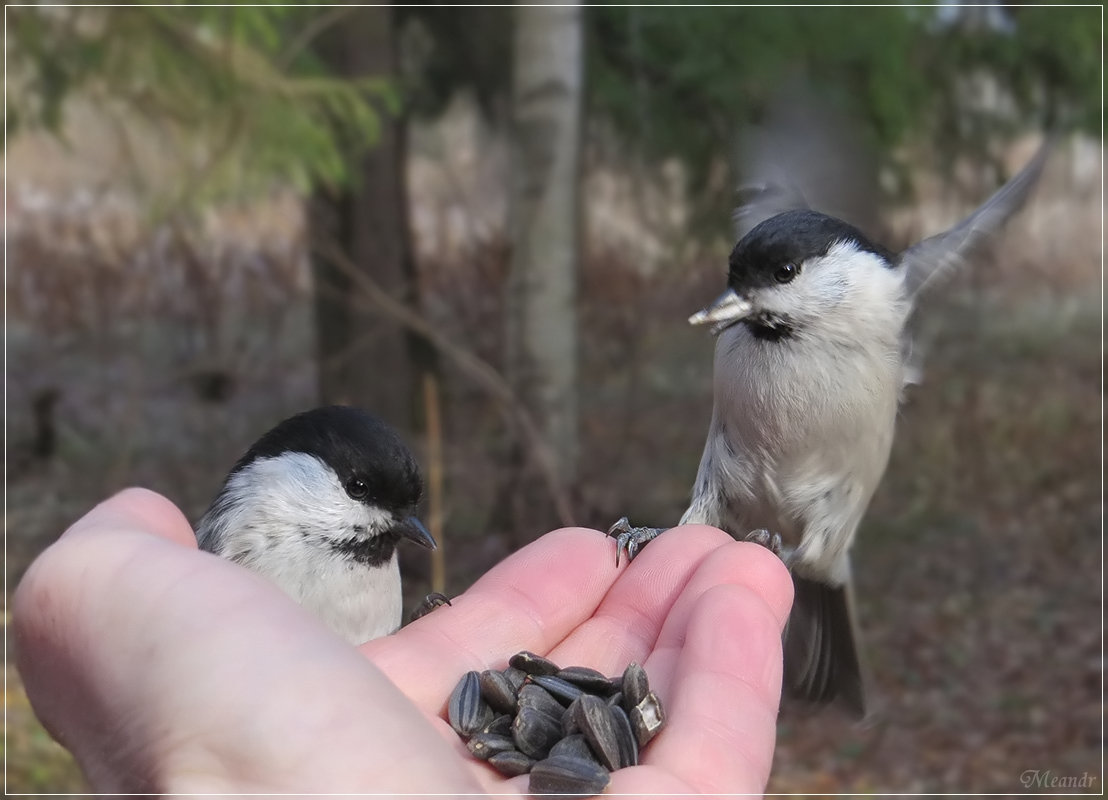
[[530, 601], [736, 563], [138, 510], [739, 563], [724, 694], [630, 618]]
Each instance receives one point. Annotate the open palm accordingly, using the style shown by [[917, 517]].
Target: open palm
[[166, 669]]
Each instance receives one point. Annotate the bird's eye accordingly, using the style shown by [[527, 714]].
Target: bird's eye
[[357, 489], [786, 273]]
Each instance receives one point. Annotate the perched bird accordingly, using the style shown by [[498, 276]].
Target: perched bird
[[810, 361], [318, 505]]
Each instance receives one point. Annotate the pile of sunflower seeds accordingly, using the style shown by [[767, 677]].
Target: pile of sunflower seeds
[[569, 728]]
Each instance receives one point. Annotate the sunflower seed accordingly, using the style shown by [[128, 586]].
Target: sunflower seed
[[533, 664], [467, 712], [576, 745], [486, 745], [569, 727], [534, 696], [597, 723], [569, 718], [635, 685], [590, 680], [511, 763], [516, 677], [562, 690], [647, 718], [498, 692], [535, 732], [501, 726], [568, 776], [625, 738]]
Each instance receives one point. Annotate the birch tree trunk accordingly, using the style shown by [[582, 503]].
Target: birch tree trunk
[[545, 221]]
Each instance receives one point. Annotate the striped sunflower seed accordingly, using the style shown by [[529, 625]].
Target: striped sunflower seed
[[516, 677], [569, 718], [575, 745], [597, 723], [533, 664], [561, 689], [634, 685], [501, 726], [568, 776], [511, 763], [534, 696], [534, 732], [590, 680], [486, 745], [498, 692], [467, 712], [625, 738]]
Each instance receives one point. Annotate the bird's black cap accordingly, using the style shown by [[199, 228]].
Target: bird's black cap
[[356, 445], [790, 238]]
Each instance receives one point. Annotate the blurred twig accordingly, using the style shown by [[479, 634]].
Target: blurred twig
[[475, 368], [434, 479], [310, 32]]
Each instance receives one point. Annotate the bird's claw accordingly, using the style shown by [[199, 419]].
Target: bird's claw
[[770, 541], [630, 539], [429, 604]]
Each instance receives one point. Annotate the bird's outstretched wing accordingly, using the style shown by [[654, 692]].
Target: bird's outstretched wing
[[943, 252]]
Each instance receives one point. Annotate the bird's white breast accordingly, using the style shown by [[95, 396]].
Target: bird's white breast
[[356, 601], [801, 435]]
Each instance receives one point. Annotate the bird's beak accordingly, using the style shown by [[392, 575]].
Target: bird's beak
[[724, 311], [413, 530]]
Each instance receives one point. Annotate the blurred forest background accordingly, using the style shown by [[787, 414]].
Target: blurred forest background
[[489, 225]]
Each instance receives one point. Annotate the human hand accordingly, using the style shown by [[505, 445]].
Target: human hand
[[165, 669]]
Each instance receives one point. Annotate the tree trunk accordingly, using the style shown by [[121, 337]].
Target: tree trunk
[[541, 320], [366, 358]]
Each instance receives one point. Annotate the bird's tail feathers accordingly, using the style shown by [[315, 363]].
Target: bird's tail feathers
[[822, 666]]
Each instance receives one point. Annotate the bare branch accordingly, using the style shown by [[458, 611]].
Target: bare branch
[[472, 366]]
